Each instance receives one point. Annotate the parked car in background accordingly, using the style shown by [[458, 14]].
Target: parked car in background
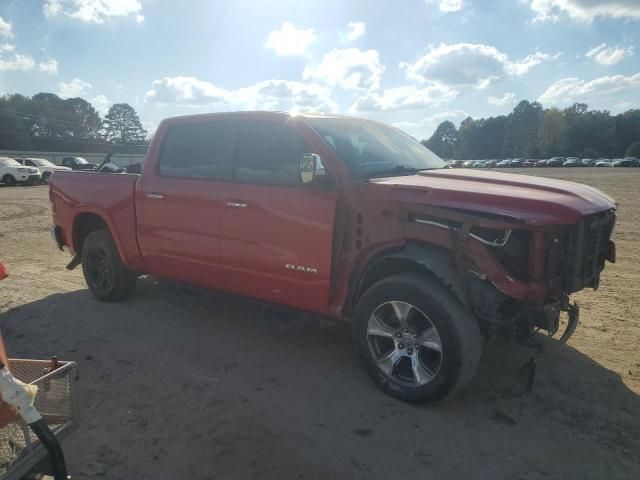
[[490, 164], [588, 162], [503, 163], [605, 162], [478, 164], [540, 163], [12, 172], [556, 161], [45, 166], [468, 163], [626, 162], [516, 163], [457, 163], [529, 162], [572, 162], [78, 163]]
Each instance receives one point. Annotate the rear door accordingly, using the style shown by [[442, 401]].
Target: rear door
[[276, 233], [179, 202]]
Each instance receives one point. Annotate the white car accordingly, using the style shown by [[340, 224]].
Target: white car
[[11, 172], [45, 166]]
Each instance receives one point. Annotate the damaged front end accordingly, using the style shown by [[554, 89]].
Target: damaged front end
[[517, 278]]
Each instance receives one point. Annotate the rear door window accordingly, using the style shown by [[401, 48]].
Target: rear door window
[[268, 152], [197, 150]]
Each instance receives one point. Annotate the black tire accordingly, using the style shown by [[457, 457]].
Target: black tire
[[9, 180], [106, 276], [433, 305], [46, 176]]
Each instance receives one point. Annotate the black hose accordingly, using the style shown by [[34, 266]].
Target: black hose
[[50, 442]]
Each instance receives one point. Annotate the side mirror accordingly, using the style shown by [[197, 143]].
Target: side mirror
[[311, 167]]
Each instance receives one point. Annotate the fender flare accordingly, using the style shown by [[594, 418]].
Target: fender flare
[[435, 260]]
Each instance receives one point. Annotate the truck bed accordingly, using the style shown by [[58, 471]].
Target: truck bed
[[111, 196]]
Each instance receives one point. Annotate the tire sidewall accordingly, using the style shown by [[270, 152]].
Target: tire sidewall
[[101, 240], [428, 301]]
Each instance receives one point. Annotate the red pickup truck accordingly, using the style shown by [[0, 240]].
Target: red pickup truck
[[348, 218]]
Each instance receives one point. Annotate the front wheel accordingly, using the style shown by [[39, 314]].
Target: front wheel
[[9, 180], [106, 276], [417, 341]]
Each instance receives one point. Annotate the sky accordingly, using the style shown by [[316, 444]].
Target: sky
[[410, 63]]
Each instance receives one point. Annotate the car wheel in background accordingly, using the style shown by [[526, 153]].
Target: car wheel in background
[[9, 180]]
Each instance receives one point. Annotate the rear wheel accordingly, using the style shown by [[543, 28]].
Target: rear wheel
[[106, 276], [416, 340], [9, 180]]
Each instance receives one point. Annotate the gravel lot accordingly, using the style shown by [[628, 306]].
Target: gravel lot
[[180, 382]]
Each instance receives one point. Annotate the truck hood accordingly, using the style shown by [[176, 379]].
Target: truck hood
[[534, 200]]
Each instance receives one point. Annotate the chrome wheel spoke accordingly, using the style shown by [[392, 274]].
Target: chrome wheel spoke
[[401, 311], [389, 361], [421, 374], [430, 339], [377, 327]]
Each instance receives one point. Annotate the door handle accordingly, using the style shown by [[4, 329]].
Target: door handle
[[236, 204], [154, 195]]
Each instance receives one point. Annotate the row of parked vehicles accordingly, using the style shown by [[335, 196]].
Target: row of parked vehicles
[[31, 171], [551, 162]]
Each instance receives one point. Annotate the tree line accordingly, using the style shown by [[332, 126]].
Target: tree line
[[531, 131], [46, 122]]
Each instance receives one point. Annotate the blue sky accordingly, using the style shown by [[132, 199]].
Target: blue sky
[[412, 63]]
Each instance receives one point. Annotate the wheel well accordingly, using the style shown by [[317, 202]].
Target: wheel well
[[433, 262], [84, 224]]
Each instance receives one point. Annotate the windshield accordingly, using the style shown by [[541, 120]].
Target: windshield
[[9, 162], [41, 162], [373, 149], [81, 160]]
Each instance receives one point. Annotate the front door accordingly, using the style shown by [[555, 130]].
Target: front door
[[276, 233], [179, 203]]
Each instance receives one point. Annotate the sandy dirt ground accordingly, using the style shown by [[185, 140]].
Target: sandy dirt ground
[[179, 382]]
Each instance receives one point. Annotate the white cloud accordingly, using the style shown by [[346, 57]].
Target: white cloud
[[568, 90], [101, 103], [6, 47], [74, 88], [79, 88], [469, 64], [94, 11], [608, 55], [584, 10], [18, 62], [404, 98], [289, 40], [448, 6], [50, 66], [6, 29], [349, 68], [264, 95], [423, 129], [26, 63], [507, 99], [354, 31]]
